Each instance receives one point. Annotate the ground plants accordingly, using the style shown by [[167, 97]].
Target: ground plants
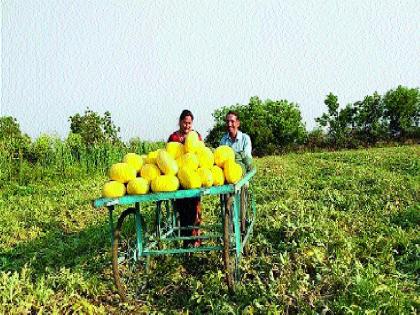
[[336, 232]]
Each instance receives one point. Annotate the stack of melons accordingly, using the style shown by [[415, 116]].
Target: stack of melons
[[186, 166]]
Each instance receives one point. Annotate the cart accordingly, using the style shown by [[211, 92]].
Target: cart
[[133, 246]]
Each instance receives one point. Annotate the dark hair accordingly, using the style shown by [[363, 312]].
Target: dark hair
[[231, 112], [186, 113]]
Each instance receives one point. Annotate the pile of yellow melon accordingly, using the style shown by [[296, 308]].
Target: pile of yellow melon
[[178, 166]]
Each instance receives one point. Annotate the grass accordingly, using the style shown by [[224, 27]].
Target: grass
[[336, 232]]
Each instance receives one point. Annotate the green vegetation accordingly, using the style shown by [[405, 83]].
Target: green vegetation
[[270, 124], [93, 128], [277, 126], [394, 116], [337, 232]]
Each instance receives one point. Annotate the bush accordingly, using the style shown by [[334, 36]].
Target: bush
[[272, 125], [316, 139], [94, 128]]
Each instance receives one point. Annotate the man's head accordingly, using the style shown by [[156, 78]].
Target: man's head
[[232, 123]]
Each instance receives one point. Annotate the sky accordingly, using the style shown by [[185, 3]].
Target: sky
[[146, 61]]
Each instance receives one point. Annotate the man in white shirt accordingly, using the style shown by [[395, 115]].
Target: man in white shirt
[[240, 142]]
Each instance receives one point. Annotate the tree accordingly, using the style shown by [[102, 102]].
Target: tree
[[368, 119], [402, 111], [272, 125], [338, 122], [11, 137], [94, 129]]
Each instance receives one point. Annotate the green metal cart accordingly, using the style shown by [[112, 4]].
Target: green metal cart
[[132, 245]]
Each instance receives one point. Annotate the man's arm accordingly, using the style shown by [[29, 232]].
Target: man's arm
[[247, 146]]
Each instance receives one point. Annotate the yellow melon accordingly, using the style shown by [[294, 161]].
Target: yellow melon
[[138, 186], [165, 183], [218, 176], [175, 149], [134, 160], [233, 172], [192, 142], [188, 160], [166, 163], [222, 154], [122, 172], [205, 157], [150, 172], [151, 157], [189, 178], [206, 176], [113, 189]]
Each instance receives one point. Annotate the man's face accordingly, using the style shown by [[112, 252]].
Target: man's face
[[186, 124], [232, 124]]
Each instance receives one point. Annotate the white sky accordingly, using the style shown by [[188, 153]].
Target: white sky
[[146, 61]]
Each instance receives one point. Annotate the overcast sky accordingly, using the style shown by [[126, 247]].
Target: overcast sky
[[146, 61]]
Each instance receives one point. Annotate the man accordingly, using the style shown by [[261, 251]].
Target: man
[[240, 142]]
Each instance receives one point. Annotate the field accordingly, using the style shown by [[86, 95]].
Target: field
[[337, 232]]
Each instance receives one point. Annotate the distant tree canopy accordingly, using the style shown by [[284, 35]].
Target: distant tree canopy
[[11, 137], [402, 112], [394, 116], [94, 129], [272, 125]]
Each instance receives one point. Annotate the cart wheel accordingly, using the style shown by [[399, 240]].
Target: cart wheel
[[231, 264], [126, 263]]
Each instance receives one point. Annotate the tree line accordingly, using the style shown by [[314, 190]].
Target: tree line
[[277, 126], [274, 126]]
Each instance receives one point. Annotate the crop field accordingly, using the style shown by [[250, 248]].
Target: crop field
[[336, 233]]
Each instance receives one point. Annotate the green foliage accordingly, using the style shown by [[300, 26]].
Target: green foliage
[[336, 121], [369, 120], [142, 147], [11, 137], [402, 111], [9, 128], [336, 232], [272, 125], [395, 116], [94, 129], [14, 146], [316, 139], [44, 149]]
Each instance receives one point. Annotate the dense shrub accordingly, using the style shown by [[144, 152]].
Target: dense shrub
[[272, 125], [94, 128]]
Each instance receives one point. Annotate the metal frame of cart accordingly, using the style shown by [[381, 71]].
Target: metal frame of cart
[[131, 246]]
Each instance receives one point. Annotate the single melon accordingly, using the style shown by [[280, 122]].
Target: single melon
[[233, 172], [134, 160], [222, 154], [175, 149], [113, 189], [150, 172], [218, 176], [206, 176], [165, 183], [166, 163], [122, 172], [138, 186]]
